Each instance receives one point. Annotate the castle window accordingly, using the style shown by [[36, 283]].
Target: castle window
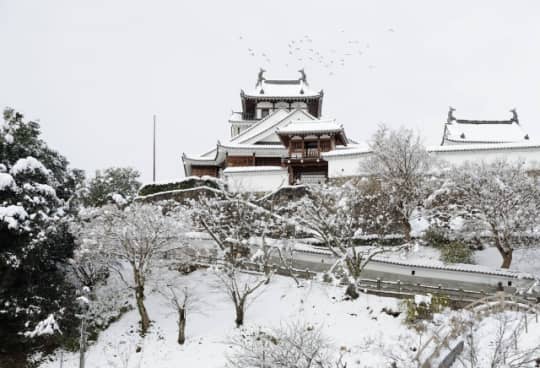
[[264, 112]]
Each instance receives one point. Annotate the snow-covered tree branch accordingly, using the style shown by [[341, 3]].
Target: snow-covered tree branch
[[401, 163], [500, 198]]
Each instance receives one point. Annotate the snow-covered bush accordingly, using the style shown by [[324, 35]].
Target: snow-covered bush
[[423, 307], [186, 183], [457, 252], [117, 185], [435, 237], [296, 344]]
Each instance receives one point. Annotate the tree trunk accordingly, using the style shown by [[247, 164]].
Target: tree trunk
[[145, 320], [406, 229], [505, 253], [181, 326], [352, 291], [239, 313], [507, 259]]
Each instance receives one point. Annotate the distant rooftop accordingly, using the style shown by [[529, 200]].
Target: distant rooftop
[[457, 131]]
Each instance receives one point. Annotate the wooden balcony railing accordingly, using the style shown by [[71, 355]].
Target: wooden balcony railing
[[307, 153]]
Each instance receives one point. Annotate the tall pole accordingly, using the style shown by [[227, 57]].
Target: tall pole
[[154, 153]]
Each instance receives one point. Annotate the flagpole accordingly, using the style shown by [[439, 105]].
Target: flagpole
[[154, 153]]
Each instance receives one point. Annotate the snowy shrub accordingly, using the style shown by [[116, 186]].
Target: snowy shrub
[[296, 344], [117, 185], [328, 278], [187, 183], [435, 237], [457, 252], [423, 307]]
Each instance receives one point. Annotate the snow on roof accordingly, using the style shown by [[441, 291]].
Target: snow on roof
[[358, 149], [468, 131], [247, 169], [315, 126], [265, 123], [424, 263], [282, 88], [238, 117], [253, 146], [199, 158], [268, 123]]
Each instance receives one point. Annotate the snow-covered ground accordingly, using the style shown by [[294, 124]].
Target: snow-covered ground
[[370, 335]]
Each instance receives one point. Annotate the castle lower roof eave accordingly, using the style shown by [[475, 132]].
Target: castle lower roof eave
[[298, 97]]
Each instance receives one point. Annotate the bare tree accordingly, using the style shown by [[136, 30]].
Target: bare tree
[[296, 344], [135, 236], [231, 221], [334, 215], [500, 198], [401, 163], [183, 300]]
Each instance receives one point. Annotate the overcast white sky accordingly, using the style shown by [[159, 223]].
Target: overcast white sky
[[95, 71]]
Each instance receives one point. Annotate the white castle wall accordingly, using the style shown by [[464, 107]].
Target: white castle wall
[[345, 165], [350, 165], [255, 178], [531, 155]]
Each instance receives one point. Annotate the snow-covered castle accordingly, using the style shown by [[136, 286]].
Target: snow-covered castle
[[280, 138]]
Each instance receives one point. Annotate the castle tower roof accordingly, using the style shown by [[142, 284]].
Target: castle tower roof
[[461, 131]]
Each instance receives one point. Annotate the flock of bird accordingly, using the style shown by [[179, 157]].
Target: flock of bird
[[305, 52]]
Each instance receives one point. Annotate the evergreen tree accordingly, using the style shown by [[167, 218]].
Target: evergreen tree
[[115, 184], [36, 187]]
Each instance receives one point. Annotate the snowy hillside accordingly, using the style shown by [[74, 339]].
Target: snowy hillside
[[359, 327]]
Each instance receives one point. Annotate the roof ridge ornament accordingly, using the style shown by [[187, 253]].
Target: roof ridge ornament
[[303, 76], [451, 116], [514, 116], [260, 77]]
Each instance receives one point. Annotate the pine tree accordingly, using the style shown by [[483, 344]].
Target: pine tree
[[36, 186]]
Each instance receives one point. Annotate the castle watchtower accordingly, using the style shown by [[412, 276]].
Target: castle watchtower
[[270, 95]]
